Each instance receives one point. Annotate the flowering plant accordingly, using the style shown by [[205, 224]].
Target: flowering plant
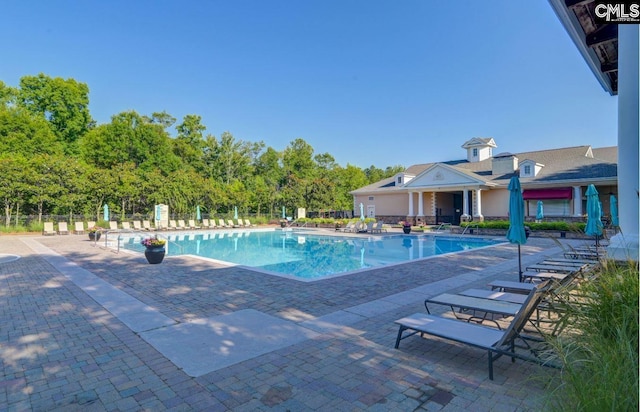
[[152, 242], [406, 223], [94, 229]]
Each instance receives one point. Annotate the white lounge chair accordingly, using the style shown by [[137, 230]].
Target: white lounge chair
[[137, 225], [205, 224], [172, 225], [79, 228], [221, 223], [126, 225], [113, 225], [62, 228], [247, 223], [378, 228], [48, 229], [192, 224], [146, 225], [230, 223]]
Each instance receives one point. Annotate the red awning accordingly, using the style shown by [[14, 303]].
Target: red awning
[[542, 194]]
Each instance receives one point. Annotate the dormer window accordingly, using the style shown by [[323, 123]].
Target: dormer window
[[475, 152], [399, 180], [529, 168]]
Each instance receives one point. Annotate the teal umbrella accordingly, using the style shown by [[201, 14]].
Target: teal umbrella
[[235, 212], [198, 215], [516, 232], [361, 212], [594, 224], [284, 214], [540, 211], [105, 212], [614, 211]]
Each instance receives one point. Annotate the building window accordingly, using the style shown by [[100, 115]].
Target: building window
[[399, 179], [370, 198], [527, 170], [475, 152]]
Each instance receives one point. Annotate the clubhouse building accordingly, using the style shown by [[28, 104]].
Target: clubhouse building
[[475, 188]]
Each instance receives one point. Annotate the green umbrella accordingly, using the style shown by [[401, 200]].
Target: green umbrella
[[594, 224], [614, 211], [105, 212], [516, 232], [540, 211]]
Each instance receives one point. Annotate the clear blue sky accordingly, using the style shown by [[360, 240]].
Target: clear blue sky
[[368, 81]]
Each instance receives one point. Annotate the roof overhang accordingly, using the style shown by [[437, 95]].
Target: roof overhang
[[596, 42]]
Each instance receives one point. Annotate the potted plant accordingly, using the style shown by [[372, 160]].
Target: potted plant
[[154, 251], [406, 226], [94, 233], [283, 223]]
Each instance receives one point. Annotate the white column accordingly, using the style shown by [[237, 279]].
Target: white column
[[624, 245], [577, 201], [465, 202], [420, 205], [434, 204], [410, 204], [478, 215]]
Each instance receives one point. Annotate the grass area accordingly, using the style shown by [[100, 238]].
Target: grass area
[[600, 357]]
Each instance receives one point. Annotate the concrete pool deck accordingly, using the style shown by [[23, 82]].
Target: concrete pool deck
[[85, 328]]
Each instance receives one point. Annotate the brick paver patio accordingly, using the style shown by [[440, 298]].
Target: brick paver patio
[[61, 350]]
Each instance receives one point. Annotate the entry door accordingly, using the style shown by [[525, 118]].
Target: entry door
[[457, 208], [371, 211]]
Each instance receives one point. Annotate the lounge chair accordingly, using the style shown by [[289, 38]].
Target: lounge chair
[[240, 223], [230, 223], [221, 223], [172, 225], [495, 342], [480, 309], [541, 267], [512, 286], [137, 225], [205, 223], [350, 227], [378, 228], [182, 225], [126, 225], [369, 227], [113, 225], [146, 225], [495, 295], [247, 223], [192, 224], [48, 229], [90, 224], [79, 228], [62, 228]]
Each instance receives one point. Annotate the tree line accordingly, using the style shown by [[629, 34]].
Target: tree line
[[55, 160]]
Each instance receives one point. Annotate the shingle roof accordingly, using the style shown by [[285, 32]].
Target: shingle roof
[[560, 165]]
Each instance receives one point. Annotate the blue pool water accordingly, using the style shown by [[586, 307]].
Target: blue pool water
[[307, 255]]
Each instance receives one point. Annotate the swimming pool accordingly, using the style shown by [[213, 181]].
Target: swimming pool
[[307, 255]]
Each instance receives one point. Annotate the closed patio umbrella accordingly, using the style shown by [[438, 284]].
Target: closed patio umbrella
[[594, 224], [516, 232], [614, 211], [198, 215], [540, 211], [284, 214], [235, 212], [361, 212], [105, 212]]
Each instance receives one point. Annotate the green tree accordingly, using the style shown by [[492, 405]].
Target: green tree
[[14, 170], [63, 103], [21, 132], [189, 144]]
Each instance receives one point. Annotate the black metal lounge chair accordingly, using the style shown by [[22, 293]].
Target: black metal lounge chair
[[495, 342]]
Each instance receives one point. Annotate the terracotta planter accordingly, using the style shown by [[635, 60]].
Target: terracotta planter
[[154, 255]]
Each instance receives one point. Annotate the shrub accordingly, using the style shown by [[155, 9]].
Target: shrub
[[600, 360]]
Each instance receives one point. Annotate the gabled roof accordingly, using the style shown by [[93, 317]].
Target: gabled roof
[[561, 166], [479, 141]]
